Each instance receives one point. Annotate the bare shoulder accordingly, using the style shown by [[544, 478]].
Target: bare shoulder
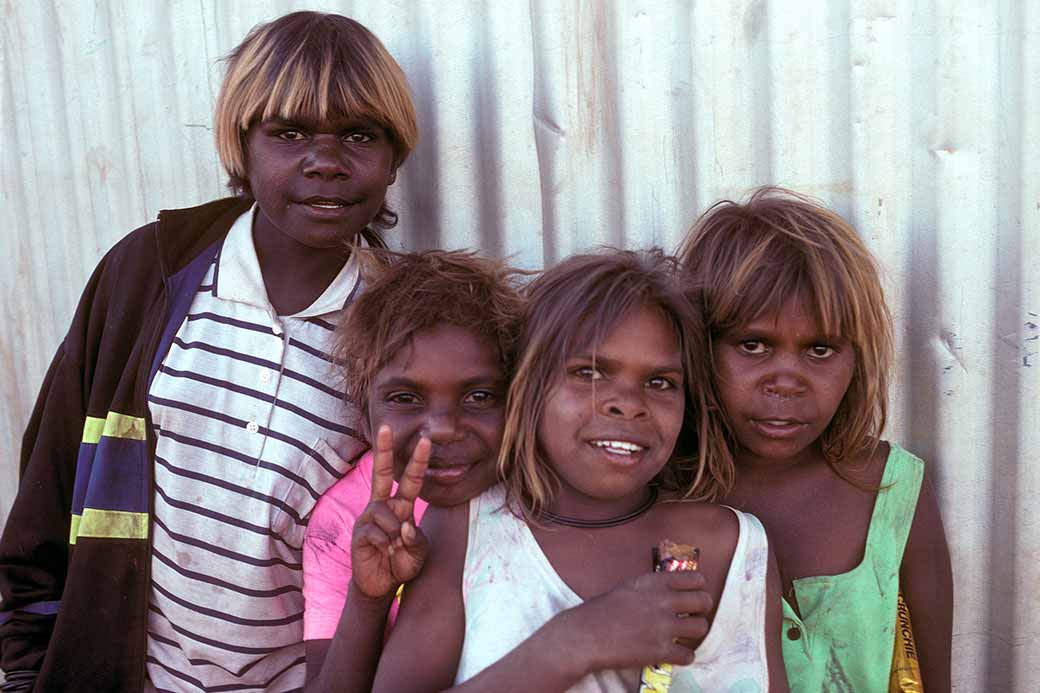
[[712, 527]]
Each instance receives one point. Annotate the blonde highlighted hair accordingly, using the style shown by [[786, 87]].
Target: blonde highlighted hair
[[573, 306], [311, 65], [746, 260]]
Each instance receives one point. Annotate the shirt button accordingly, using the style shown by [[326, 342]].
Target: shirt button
[[252, 427], [276, 328], [265, 376], [794, 633]]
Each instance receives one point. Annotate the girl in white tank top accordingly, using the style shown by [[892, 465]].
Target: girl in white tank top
[[545, 581]]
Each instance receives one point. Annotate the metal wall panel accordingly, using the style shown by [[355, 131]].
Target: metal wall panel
[[551, 126]]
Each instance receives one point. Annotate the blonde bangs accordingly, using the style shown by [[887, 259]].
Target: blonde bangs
[[312, 66]]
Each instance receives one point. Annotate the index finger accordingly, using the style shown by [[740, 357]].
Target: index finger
[[383, 464], [411, 482]]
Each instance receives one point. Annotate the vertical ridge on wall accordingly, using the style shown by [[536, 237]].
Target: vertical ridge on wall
[[552, 126]]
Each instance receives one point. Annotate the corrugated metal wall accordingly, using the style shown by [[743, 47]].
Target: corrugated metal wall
[[550, 126]]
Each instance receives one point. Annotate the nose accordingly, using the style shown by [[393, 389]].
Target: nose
[[326, 158], [784, 382], [442, 426], [621, 400]]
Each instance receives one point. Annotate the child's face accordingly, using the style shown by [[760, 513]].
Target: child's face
[[781, 381], [446, 385], [610, 424], [319, 183]]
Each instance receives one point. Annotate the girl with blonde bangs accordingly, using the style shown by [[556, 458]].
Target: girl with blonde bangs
[[801, 348], [546, 580], [190, 417]]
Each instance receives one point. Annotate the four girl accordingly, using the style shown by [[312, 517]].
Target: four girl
[[188, 427]]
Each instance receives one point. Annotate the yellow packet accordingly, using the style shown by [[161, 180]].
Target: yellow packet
[[906, 669], [668, 557]]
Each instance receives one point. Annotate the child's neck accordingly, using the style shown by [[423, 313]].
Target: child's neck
[[752, 466], [295, 275]]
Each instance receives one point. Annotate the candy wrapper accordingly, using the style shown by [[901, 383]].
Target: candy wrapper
[[906, 670], [668, 557]]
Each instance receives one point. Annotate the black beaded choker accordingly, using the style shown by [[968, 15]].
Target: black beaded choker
[[601, 524]]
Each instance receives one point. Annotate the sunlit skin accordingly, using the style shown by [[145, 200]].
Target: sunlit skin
[[446, 385], [626, 393], [781, 379], [435, 414], [610, 423], [317, 185]]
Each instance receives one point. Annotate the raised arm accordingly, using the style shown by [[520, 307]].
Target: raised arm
[[423, 651], [926, 581], [387, 550]]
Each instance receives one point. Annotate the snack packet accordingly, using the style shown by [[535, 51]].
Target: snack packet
[[668, 557], [906, 670]]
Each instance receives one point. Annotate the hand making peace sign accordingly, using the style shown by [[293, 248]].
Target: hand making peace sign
[[387, 549]]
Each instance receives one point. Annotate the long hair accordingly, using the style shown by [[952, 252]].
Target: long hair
[[573, 306], [311, 65], [745, 260]]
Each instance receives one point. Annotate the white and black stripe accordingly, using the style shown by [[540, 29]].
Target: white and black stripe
[[251, 428]]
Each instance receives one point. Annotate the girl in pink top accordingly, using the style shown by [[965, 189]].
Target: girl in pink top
[[426, 352]]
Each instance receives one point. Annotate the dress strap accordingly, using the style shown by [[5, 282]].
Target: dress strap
[[894, 510]]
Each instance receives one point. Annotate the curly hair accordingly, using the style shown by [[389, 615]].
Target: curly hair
[[745, 260], [574, 305], [406, 293]]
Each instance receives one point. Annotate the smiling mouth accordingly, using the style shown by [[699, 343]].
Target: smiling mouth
[[447, 473], [618, 447]]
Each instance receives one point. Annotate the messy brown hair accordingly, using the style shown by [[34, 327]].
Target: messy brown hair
[[574, 306], [312, 65], [746, 260], [406, 293]]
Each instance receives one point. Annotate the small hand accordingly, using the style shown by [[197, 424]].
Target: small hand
[[387, 548], [652, 619]]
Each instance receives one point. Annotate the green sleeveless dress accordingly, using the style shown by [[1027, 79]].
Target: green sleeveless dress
[[844, 639]]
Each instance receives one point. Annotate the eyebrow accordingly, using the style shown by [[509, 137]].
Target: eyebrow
[[673, 367], [486, 379]]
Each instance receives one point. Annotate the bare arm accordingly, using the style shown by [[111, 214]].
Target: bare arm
[[774, 628], [629, 626], [386, 551], [926, 581], [423, 651]]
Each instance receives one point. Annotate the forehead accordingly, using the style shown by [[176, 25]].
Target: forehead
[[797, 315], [643, 334], [445, 353]]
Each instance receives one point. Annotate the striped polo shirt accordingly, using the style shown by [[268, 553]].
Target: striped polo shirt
[[251, 428]]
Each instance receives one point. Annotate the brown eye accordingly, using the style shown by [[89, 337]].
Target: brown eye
[[480, 399], [402, 398], [752, 346], [822, 351]]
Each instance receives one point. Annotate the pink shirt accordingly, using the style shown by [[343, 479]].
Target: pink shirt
[[326, 550]]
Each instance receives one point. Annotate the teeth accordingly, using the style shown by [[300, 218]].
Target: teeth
[[327, 205], [618, 446]]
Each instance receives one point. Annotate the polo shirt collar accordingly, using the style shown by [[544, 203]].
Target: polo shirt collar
[[238, 277]]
